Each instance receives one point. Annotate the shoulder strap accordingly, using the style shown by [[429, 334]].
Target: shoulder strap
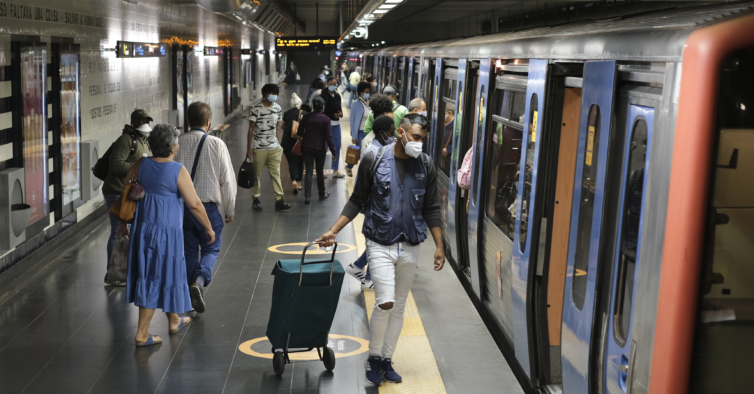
[[133, 144], [377, 159], [135, 176], [425, 162], [196, 158]]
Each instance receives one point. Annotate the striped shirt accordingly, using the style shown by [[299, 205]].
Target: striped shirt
[[265, 132], [215, 180]]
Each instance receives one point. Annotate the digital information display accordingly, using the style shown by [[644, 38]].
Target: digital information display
[[247, 52], [140, 49], [124, 49], [213, 51], [314, 43]]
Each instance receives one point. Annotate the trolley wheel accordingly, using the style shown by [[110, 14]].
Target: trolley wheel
[[329, 358], [278, 363]]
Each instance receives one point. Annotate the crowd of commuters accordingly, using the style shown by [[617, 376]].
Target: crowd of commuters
[[190, 194]]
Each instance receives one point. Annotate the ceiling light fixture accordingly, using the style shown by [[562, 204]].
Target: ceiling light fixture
[[387, 6], [380, 11]]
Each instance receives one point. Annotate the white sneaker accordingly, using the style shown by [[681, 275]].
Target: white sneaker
[[367, 284], [355, 271]]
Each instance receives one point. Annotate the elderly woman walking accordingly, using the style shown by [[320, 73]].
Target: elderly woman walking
[[156, 264]]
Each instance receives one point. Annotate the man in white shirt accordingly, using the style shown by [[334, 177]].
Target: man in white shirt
[[263, 147], [215, 184]]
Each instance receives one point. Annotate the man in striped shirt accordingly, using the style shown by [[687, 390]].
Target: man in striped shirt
[[215, 184]]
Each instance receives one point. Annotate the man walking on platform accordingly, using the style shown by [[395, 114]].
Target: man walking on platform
[[397, 189], [263, 147], [208, 160]]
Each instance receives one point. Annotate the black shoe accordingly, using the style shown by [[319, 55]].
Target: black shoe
[[307, 200], [256, 205], [295, 191], [115, 283], [197, 300], [325, 196], [281, 205]]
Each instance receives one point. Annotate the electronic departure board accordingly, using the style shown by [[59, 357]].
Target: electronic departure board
[[142, 49], [213, 51], [124, 49], [313, 43]]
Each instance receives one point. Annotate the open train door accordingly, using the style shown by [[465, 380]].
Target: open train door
[[526, 226], [475, 204], [586, 233]]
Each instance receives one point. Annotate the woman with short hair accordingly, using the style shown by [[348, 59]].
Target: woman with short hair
[[317, 133], [295, 163], [156, 263], [359, 113]]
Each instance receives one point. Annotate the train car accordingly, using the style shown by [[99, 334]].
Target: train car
[[606, 235]]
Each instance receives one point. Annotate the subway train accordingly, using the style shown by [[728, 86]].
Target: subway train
[[607, 235]]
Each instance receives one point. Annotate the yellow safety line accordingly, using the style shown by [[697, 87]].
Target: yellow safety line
[[413, 357]]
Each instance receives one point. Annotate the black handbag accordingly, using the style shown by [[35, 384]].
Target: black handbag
[[246, 175]]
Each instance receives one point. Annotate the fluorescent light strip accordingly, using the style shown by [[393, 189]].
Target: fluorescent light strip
[[380, 11], [387, 6], [393, 1]]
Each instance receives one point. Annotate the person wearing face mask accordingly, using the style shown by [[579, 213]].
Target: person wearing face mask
[[359, 114], [126, 150], [447, 134], [295, 162], [353, 81], [262, 145], [372, 81], [397, 190], [334, 111], [323, 75], [398, 112], [417, 106]]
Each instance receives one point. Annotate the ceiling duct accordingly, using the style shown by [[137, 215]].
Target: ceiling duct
[[263, 14]]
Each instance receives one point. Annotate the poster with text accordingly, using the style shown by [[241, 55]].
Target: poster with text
[[69, 126], [33, 81]]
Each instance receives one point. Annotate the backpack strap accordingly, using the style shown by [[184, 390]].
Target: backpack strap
[[425, 162], [134, 144], [377, 159], [196, 158]]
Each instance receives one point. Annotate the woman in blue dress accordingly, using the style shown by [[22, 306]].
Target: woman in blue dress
[[156, 265]]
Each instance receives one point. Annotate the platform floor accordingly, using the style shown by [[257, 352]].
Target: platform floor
[[63, 331]]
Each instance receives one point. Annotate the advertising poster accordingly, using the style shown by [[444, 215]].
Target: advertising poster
[[69, 125], [34, 127], [189, 76]]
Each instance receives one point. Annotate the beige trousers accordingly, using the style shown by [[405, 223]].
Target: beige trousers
[[271, 160]]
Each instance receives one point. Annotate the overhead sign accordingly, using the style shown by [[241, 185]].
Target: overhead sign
[[247, 52], [150, 50], [213, 51], [313, 43], [140, 49]]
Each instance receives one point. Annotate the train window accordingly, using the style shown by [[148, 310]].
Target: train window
[[724, 332], [477, 142], [453, 148], [531, 142], [586, 207], [629, 233]]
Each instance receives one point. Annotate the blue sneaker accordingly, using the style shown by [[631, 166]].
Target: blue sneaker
[[374, 370], [388, 373]]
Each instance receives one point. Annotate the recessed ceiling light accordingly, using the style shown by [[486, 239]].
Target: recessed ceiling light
[[380, 11], [393, 1], [387, 6]]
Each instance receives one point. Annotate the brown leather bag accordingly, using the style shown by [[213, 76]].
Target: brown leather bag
[[294, 127], [124, 208]]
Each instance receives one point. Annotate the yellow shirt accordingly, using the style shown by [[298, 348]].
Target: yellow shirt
[[355, 78]]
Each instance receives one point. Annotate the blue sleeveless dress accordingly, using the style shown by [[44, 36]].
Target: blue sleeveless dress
[[156, 264]]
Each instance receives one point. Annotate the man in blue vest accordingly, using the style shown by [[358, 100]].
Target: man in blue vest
[[397, 188]]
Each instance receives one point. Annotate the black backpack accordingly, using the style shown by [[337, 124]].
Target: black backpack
[[102, 167]]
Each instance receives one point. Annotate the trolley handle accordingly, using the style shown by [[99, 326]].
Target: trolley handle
[[303, 262]]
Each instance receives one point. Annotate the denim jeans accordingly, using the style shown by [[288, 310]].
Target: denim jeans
[[393, 271], [195, 243], [337, 139], [114, 224]]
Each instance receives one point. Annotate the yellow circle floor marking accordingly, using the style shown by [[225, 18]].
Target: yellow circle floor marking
[[298, 247], [338, 346]]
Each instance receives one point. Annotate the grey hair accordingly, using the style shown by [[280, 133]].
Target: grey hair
[[358, 69], [415, 104], [162, 139], [295, 100]]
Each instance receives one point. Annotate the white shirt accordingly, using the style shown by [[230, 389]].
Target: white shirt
[[215, 180], [265, 132]]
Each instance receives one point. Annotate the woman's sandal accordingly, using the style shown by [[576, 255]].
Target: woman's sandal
[[182, 325], [152, 340]]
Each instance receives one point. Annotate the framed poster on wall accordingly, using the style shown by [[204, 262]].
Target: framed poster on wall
[[178, 80], [189, 75], [66, 106], [29, 64]]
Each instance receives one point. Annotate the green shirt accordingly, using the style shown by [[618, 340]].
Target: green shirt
[[398, 115], [121, 159]]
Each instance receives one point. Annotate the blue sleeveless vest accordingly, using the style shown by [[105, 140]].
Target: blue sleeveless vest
[[395, 210]]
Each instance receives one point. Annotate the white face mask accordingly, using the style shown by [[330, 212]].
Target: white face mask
[[144, 129], [423, 113], [412, 148]]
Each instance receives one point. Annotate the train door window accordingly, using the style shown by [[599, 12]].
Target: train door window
[[505, 157], [477, 141], [629, 233], [456, 129], [448, 93], [586, 210], [528, 168], [724, 334]]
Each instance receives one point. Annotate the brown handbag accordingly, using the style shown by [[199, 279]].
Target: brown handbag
[[124, 208], [294, 127]]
